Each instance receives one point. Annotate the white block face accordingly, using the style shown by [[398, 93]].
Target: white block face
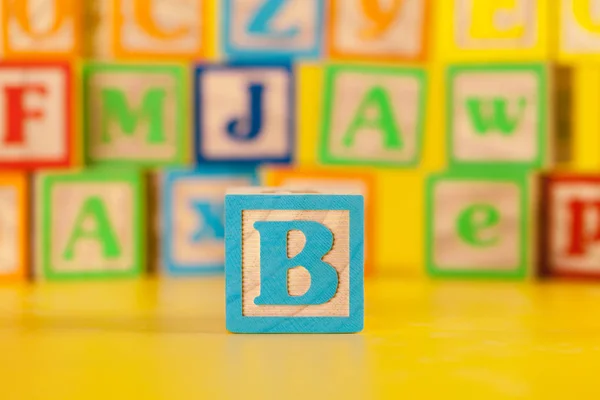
[[495, 116], [524, 15], [575, 226], [177, 21], [491, 244], [575, 38], [356, 33], [225, 97], [186, 221], [403, 94], [9, 231], [47, 31], [42, 128], [66, 204], [108, 137], [298, 278], [300, 15]]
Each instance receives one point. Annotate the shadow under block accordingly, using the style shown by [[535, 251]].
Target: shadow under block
[[40, 29], [245, 113], [90, 225], [135, 114], [35, 114], [272, 29], [478, 225], [499, 30], [579, 31], [370, 30], [497, 114], [193, 218], [294, 261], [14, 226], [570, 233], [373, 115]]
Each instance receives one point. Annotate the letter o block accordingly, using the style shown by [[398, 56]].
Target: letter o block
[[478, 225], [294, 261]]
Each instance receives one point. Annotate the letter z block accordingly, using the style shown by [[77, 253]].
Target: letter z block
[[294, 261], [373, 116], [497, 114], [90, 224], [245, 113], [35, 114], [478, 225], [570, 233], [194, 220], [135, 114], [14, 226]]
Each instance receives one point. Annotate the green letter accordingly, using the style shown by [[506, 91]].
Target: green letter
[[492, 115], [377, 99], [114, 104], [94, 208], [473, 220]]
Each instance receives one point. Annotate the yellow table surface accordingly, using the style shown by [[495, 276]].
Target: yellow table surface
[[166, 339]]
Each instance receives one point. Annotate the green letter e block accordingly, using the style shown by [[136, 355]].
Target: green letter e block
[[135, 114], [91, 224], [477, 225]]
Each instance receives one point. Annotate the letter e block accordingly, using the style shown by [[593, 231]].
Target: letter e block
[[90, 224], [477, 225], [245, 113], [193, 218], [294, 261], [135, 114], [14, 226]]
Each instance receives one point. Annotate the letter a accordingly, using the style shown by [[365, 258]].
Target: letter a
[[260, 25], [248, 128]]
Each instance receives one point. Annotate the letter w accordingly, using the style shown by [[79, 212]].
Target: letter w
[[492, 115]]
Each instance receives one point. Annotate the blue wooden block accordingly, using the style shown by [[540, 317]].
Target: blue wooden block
[[245, 113], [193, 202], [294, 261], [272, 29]]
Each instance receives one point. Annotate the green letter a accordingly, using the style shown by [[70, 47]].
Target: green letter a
[[492, 115]]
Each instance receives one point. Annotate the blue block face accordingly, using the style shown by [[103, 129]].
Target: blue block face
[[245, 113], [276, 29], [193, 218], [294, 263]]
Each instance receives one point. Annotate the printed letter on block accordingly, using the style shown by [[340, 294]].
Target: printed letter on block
[[478, 225], [579, 31], [294, 261], [245, 113], [135, 114], [497, 115], [193, 212], [14, 226], [90, 225], [373, 116]]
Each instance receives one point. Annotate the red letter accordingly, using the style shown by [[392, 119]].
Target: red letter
[[579, 239], [16, 113]]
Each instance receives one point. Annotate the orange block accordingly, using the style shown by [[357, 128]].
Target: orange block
[[14, 248], [362, 182]]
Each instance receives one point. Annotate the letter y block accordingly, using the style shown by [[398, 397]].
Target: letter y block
[[294, 261]]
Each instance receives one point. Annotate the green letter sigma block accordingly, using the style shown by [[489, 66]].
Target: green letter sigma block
[[497, 115], [478, 225], [90, 225], [373, 115], [135, 114]]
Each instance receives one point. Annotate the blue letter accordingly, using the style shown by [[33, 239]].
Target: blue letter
[[212, 215], [275, 264], [242, 129], [260, 25]]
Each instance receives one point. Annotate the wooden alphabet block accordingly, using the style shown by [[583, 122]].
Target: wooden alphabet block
[[14, 226], [245, 113], [263, 29], [324, 179], [294, 261], [484, 30], [378, 30], [478, 225], [135, 114], [91, 225], [585, 118], [373, 115], [193, 218], [35, 114], [497, 114], [40, 28], [579, 31]]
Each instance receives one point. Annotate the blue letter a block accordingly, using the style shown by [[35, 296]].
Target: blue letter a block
[[294, 261]]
